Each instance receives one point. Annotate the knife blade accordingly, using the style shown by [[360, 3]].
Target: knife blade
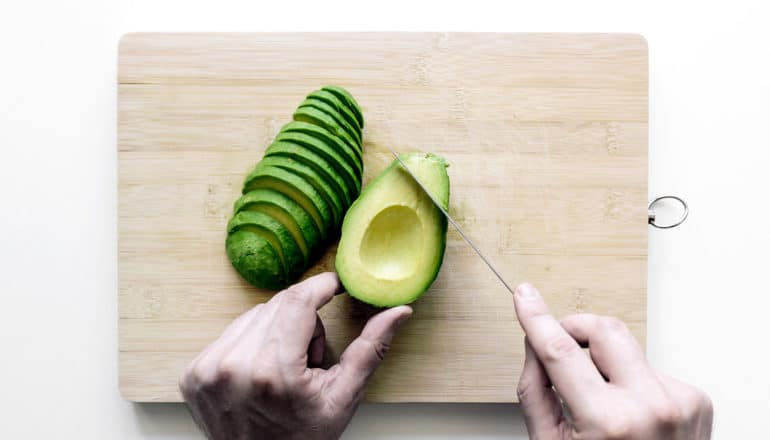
[[451, 220]]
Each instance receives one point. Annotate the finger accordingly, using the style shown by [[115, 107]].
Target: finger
[[317, 344], [694, 406], [541, 407], [287, 323], [362, 357], [315, 291], [613, 348], [295, 317], [572, 373]]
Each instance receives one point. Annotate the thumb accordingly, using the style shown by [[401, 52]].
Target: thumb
[[366, 352]]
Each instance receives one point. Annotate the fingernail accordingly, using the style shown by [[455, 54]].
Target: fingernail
[[403, 318], [527, 291]]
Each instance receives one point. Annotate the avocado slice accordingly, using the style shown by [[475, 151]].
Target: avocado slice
[[290, 164], [278, 236], [318, 163], [346, 97], [393, 237], [315, 102], [341, 108], [312, 115], [255, 259], [294, 187], [288, 212], [333, 158], [351, 155]]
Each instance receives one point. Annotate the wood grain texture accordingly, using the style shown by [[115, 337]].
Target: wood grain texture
[[546, 135]]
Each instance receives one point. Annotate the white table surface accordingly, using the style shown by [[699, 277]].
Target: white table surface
[[708, 289]]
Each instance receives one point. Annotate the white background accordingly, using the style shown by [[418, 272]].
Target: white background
[[708, 289]]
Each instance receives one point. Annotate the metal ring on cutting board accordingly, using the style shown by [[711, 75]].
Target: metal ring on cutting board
[[651, 212]]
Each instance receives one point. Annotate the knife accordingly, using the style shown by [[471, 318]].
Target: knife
[[451, 220]]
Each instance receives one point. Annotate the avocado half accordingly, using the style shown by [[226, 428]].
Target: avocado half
[[393, 236]]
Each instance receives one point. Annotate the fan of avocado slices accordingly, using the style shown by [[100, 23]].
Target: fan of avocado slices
[[295, 199]]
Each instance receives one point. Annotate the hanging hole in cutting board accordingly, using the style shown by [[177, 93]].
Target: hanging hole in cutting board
[[667, 212]]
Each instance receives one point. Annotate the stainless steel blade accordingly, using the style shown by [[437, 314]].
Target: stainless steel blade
[[451, 220]]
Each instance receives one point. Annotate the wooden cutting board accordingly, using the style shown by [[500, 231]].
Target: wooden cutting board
[[547, 139]]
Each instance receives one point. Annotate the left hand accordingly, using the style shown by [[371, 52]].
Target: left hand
[[258, 379]]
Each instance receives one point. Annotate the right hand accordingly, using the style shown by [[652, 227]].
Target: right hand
[[614, 394]]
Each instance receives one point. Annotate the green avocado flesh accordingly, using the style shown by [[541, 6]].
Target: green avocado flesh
[[314, 102], [286, 211], [352, 156], [346, 97], [341, 108], [295, 198], [306, 157], [295, 187], [393, 237], [331, 199], [312, 115], [333, 158]]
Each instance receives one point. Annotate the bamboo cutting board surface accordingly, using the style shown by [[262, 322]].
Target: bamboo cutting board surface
[[546, 135]]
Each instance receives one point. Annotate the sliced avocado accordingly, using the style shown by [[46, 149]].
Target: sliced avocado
[[344, 170], [255, 259], [295, 199], [290, 164], [315, 161], [341, 108], [294, 187], [315, 102], [352, 155], [274, 231], [312, 115], [286, 211], [346, 97], [393, 237]]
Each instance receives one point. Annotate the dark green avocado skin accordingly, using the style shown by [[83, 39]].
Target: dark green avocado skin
[[255, 260]]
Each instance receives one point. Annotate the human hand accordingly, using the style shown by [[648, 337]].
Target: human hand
[[257, 380], [614, 394]]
